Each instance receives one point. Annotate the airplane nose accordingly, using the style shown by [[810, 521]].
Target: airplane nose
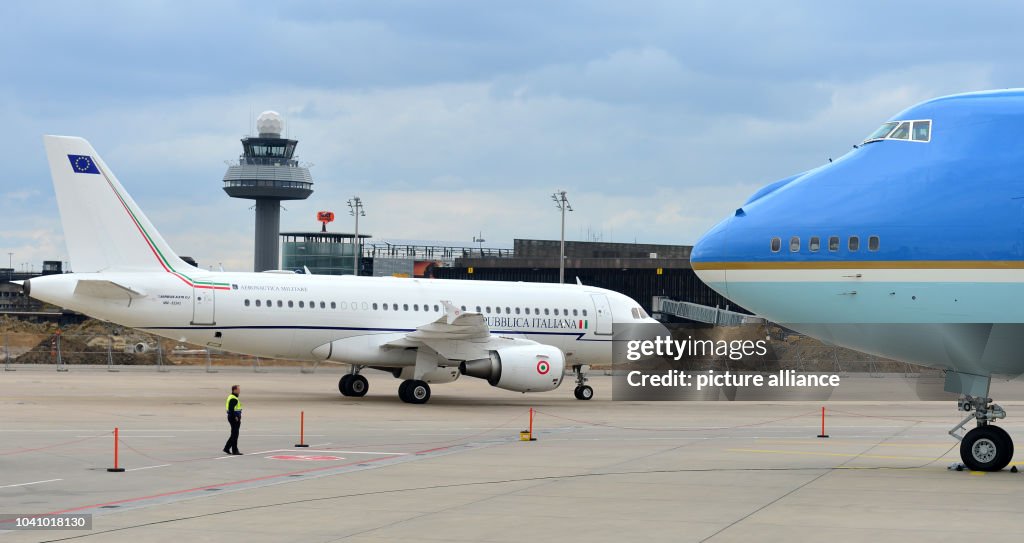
[[709, 255]]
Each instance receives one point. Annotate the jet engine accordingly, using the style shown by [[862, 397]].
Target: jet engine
[[523, 368]]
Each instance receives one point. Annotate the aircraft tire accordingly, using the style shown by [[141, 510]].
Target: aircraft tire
[[583, 392], [403, 390], [343, 385], [986, 448], [418, 392], [358, 386]]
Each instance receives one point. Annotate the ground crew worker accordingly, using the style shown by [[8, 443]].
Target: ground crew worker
[[234, 408]]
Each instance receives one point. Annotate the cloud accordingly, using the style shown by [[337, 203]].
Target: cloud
[[451, 118]]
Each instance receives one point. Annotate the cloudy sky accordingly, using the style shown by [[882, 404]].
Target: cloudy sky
[[453, 118]]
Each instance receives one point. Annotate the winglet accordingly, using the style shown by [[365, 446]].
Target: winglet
[[452, 311], [578, 282]]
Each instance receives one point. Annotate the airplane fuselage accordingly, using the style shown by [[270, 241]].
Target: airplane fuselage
[[285, 315]]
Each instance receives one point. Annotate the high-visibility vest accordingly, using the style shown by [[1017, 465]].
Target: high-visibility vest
[[238, 406]]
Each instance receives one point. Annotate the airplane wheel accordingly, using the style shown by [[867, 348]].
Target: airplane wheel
[[986, 448], [403, 391], [583, 393], [417, 392], [357, 386], [343, 385]]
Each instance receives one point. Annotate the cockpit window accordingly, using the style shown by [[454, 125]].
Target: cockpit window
[[882, 132], [902, 130], [922, 130]]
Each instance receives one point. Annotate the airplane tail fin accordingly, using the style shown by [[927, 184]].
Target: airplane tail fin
[[104, 229]]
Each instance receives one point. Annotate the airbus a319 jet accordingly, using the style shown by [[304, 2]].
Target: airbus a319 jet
[[911, 247], [518, 336]]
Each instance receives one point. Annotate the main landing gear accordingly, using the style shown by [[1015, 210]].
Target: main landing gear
[[414, 391], [353, 384], [583, 391], [987, 447]]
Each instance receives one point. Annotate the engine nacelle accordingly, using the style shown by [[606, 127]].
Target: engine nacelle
[[523, 368]]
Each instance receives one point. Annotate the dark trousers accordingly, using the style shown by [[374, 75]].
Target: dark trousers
[[232, 444]]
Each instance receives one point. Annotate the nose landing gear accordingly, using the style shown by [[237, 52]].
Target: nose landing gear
[[987, 447]]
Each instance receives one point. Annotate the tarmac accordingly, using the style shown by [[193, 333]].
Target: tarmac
[[455, 469]]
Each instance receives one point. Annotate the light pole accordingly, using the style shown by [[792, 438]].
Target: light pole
[[562, 203], [355, 208], [10, 260], [480, 239]]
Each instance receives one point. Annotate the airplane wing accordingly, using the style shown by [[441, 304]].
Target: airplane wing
[[456, 335]]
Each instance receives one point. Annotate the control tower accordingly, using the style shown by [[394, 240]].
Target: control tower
[[268, 172]]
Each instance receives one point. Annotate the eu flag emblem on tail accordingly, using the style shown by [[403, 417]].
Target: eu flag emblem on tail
[[83, 164]]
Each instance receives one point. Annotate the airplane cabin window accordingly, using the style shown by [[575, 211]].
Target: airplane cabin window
[[405, 307], [922, 131], [497, 310], [508, 310], [247, 303], [478, 309], [854, 243], [415, 307], [463, 308], [794, 244], [324, 306], [873, 243], [547, 311], [814, 244], [270, 303], [833, 243], [394, 307], [776, 244], [517, 310], [374, 306], [584, 312], [334, 305], [384, 307], [280, 303], [301, 303], [575, 312], [436, 308], [902, 132], [257, 303], [488, 309]]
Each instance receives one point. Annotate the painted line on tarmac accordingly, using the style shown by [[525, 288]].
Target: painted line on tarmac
[[275, 479], [32, 483], [844, 455], [149, 467]]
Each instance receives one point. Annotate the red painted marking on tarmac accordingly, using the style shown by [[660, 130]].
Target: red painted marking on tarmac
[[233, 483], [298, 457], [219, 485]]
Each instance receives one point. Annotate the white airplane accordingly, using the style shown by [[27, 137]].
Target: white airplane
[[517, 336]]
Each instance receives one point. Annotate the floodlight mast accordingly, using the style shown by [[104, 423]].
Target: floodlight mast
[[562, 203], [355, 208]]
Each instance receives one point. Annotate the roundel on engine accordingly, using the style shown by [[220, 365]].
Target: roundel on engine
[[543, 367]]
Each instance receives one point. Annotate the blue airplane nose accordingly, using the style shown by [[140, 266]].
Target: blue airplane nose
[[710, 253]]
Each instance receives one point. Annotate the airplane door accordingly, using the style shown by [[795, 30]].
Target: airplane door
[[603, 314], [203, 300]]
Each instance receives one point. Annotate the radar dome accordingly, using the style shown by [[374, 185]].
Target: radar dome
[[269, 123]]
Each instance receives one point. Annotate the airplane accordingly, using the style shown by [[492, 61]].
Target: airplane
[[517, 336], [910, 247]]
